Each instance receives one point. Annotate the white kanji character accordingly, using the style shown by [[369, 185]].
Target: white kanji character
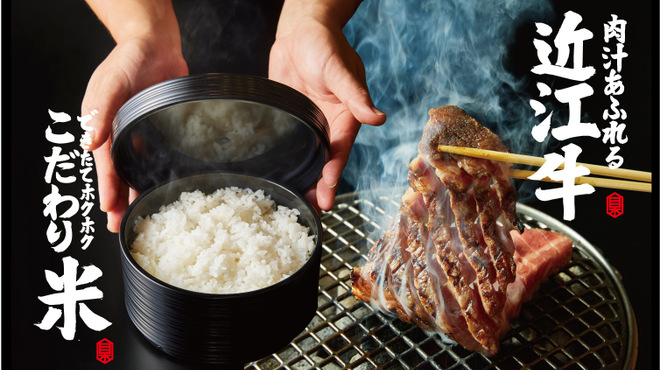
[[568, 191], [616, 28], [69, 297], [617, 57], [567, 35], [575, 128]]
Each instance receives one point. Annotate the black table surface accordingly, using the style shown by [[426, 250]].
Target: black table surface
[[54, 48]]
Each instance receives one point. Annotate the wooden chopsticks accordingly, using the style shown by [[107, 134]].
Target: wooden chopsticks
[[642, 183], [593, 181]]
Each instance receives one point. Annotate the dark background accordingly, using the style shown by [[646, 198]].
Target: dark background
[[56, 45]]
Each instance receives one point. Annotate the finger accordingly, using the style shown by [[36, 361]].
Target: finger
[[353, 92], [325, 196], [132, 195], [310, 195], [344, 129], [104, 95], [108, 180], [117, 213]]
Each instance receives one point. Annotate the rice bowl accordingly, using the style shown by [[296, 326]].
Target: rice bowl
[[227, 328]]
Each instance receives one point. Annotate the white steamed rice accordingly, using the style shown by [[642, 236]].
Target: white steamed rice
[[234, 240]]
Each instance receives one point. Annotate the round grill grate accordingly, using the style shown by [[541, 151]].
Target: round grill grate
[[580, 318]]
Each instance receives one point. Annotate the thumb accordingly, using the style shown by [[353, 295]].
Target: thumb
[[103, 98], [354, 94]]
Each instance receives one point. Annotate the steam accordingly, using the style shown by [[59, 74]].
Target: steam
[[424, 54]]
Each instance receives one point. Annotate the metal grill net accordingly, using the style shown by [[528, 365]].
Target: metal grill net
[[576, 320]]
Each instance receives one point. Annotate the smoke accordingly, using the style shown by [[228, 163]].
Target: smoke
[[420, 55], [424, 54]]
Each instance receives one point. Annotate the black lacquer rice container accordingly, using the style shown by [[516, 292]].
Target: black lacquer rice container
[[223, 329]]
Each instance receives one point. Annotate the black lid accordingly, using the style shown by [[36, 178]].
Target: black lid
[[219, 122]]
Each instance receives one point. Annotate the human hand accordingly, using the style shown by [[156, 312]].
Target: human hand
[[132, 65], [312, 55]]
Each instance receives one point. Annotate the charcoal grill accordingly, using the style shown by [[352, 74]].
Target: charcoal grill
[[580, 319]]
